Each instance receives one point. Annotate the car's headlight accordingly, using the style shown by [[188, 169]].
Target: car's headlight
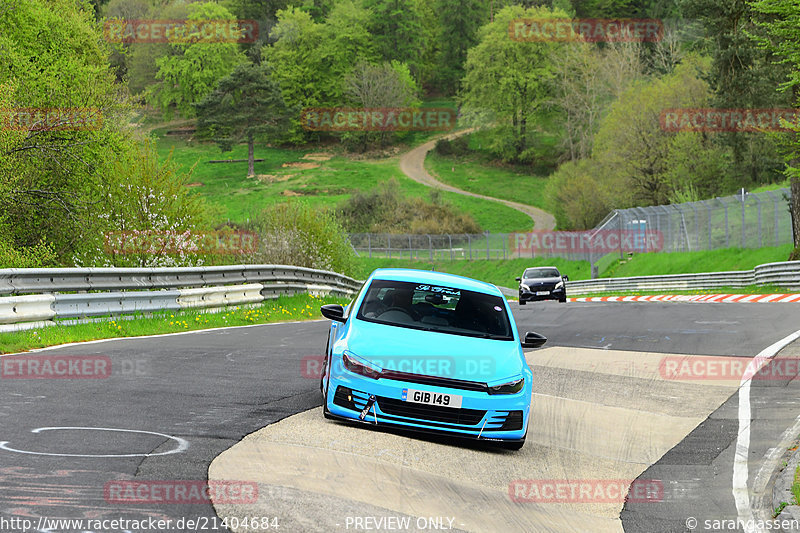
[[512, 387], [357, 367], [560, 285], [524, 287]]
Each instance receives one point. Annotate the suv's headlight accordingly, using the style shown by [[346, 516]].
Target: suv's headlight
[[357, 367], [524, 287], [512, 387], [560, 285]]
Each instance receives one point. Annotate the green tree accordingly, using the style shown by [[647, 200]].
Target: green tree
[[741, 76], [310, 60], [245, 106], [53, 58], [509, 79], [458, 26], [197, 65], [780, 20], [396, 28], [631, 143]]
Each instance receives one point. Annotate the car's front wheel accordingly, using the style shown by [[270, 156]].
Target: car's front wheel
[[522, 302]]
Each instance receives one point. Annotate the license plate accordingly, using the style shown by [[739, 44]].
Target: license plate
[[542, 293], [431, 398]]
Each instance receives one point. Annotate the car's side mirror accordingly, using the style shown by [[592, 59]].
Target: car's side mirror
[[566, 278], [333, 312], [533, 340], [518, 279]]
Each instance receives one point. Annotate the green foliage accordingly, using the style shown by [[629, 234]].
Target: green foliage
[[192, 71], [579, 194], [633, 147], [458, 24], [396, 27], [741, 75], [41, 255], [54, 57], [142, 194], [457, 146], [387, 85], [246, 105], [295, 233], [384, 209], [509, 79], [310, 60]]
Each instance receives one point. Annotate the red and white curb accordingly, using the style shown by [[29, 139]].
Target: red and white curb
[[703, 298]]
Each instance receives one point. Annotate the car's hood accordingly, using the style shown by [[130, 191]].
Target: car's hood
[[541, 281], [432, 353]]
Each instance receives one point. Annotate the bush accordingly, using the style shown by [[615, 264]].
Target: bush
[[41, 255], [294, 233], [457, 146], [384, 209]]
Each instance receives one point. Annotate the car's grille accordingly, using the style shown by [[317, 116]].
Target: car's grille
[[464, 417], [435, 381], [434, 415]]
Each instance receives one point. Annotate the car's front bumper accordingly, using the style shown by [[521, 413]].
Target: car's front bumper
[[482, 416], [533, 296]]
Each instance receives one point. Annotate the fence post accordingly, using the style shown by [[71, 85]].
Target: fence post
[[450, 240], [744, 238], [389, 244], [469, 243], [760, 234], [430, 247]]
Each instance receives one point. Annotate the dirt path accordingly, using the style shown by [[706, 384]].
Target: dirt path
[[412, 163]]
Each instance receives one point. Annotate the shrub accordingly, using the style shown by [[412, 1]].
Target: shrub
[[384, 209], [294, 233], [39, 256]]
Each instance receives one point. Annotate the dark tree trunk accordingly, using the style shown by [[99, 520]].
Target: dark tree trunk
[[251, 164]]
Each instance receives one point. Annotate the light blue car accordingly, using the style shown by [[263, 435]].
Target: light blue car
[[430, 352]]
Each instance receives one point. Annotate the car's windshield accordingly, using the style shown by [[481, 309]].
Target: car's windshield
[[537, 273], [436, 308]]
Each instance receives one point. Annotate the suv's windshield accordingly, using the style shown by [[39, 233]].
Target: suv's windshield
[[537, 273], [436, 308]]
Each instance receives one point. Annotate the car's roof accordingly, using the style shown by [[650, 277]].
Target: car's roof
[[430, 276], [540, 268]]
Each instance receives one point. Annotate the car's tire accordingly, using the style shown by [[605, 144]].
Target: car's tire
[[522, 302], [563, 299]]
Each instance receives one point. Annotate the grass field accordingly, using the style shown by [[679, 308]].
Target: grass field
[[319, 178], [285, 308], [500, 273], [695, 262], [470, 173]]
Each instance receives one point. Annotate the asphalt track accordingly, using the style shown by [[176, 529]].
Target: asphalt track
[[211, 389]]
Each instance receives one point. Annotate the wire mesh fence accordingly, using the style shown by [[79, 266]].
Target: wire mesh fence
[[747, 220]]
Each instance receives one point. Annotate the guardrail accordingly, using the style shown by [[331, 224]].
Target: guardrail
[[31, 298], [785, 275]]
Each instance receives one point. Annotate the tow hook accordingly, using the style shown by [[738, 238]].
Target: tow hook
[[370, 405]]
